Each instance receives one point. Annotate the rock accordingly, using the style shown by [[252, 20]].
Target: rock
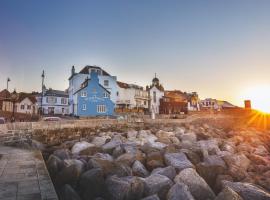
[[196, 184], [164, 134], [261, 151], [110, 146], [228, 194], [79, 146], [192, 155], [89, 151], [157, 184], [99, 141], [166, 171], [62, 154], [118, 151], [178, 160], [154, 160], [208, 147], [210, 168], [191, 137], [127, 158], [179, 191], [139, 169], [92, 184], [102, 161], [248, 191], [152, 197], [145, 137], [120, 170], [124, 188], [132, 134], [157, 145], [68, 193], [238, 165], [54, 165], [70, 174], [219, 182]]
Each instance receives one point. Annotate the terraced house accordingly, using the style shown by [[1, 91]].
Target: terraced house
[[93, 99]]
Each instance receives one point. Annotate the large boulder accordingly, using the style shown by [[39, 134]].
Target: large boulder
[[54, 165], [132, 135], [154, 160], [62, 154], [145, 136], [127, 158], [99, 141], [238, 165], [210, 168], [91, 150], [92, 184], [102, 161], [166, 171], [139, 169], [68, 193], [208, 147], [157, 184], [199, 189], [179, 191], [124, 188], [164, 134], [248, 191], [152, 197], [178, 160], [79, 146], [71, 173], [110, 146], [228, 194]]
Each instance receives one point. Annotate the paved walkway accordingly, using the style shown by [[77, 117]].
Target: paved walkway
[[23, 175]]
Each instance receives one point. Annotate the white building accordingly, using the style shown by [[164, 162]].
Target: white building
[[76, 79], [22, 102], [53, 102], [156, 92], [215, 104], [131, 96]]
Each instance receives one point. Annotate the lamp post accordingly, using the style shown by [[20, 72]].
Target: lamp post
[[13, 99], [8, 80], [42, 92]]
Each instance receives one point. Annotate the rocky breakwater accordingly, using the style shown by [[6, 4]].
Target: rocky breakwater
[[186, 162]]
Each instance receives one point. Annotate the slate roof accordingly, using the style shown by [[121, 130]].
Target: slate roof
[[126, 85]]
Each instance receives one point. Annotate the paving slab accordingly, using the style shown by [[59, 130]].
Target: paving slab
[[24, 176]]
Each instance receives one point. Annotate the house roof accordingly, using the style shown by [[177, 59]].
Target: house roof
[[58, 93], [175, 94], [159, 86], [85, 70], [4, 94], [127, 85], [85, 84]]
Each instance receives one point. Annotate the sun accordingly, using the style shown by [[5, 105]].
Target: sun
[[260, 97]]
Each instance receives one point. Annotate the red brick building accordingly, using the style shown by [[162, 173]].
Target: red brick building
[[173, 102]]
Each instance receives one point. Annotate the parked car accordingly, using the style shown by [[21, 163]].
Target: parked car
[[2, 120], [51, 119]]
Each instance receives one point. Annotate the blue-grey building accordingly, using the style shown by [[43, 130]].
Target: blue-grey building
[[94, 99]]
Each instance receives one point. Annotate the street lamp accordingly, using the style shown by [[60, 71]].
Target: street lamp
[[42, 92], [8, 80], [13, 99]]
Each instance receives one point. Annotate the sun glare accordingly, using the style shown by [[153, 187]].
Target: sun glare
[[260, 98]]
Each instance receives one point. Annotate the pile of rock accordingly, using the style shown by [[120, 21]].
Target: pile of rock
[[172, 163]]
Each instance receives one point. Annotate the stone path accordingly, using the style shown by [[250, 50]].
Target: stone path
[[24, 176]]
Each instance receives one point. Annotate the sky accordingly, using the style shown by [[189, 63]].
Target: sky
[[218, 48]]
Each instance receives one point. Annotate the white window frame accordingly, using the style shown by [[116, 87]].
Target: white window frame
[[101, 109], [106, 95], [83, 94], [84, 107]]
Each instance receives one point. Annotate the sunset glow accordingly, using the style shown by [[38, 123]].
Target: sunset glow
[[260, 98]]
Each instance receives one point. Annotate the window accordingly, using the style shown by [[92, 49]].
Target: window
[[145, 103], [155, 97], [63, 101], [47, 99], [22, 107], [106, 95], [28, 107], [63, 110], [101, 108], [83, 94], [117, 93], [106, 83], [84, 107]]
